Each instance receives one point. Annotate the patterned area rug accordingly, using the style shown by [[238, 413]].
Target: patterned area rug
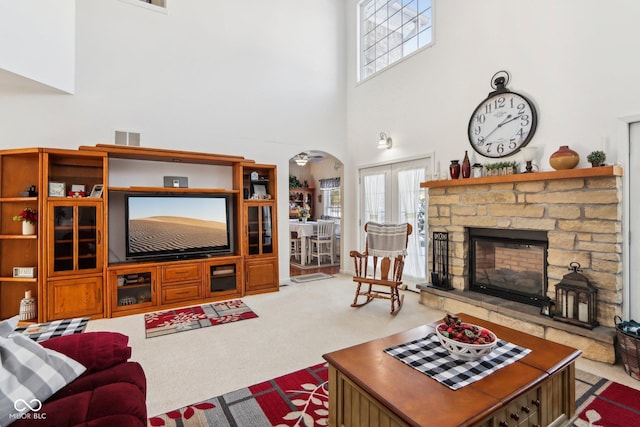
[[196, 317], [300, 398], [56, 328], [600, 403]]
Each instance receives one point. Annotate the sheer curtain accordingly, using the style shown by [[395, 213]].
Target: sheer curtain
[[374, 198], [409, 198]]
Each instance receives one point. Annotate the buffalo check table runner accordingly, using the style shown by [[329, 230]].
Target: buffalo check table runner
[[56, 328], [428, 356]]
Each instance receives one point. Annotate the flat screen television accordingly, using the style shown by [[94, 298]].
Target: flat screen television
[[178, 226]]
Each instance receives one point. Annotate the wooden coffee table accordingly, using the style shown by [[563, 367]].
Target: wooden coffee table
[[368, 387]]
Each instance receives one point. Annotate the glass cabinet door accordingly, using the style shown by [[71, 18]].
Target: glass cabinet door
[[75, 237], [133, 289], [260, 232]]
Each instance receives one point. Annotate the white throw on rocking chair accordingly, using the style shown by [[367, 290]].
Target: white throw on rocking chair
[[386, 245], [322, 242]]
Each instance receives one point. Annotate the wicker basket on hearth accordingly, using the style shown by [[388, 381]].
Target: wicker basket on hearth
[[629, 346]]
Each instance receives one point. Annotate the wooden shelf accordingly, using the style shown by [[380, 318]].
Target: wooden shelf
[[602, 171], [19, 279], [74, 199], [18, 236], [173, 190], [18, 199]]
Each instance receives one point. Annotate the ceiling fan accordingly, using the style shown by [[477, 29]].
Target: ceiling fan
[[308, 156]]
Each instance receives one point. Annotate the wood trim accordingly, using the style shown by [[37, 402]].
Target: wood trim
[[163, 155], [603, 171], [173, 190]]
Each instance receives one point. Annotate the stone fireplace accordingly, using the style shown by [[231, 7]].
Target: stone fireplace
[[570, 215]]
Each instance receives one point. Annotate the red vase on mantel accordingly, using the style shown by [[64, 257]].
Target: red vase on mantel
[[466, 166], [564, 158], [454, 169]]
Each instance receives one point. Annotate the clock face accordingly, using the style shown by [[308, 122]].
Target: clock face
[[502, 124]]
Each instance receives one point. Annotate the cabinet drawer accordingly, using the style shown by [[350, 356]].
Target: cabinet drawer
[[180, 293], [185, 272]]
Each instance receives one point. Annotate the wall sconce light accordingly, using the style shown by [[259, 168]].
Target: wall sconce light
[[301, 159], [385, 142]]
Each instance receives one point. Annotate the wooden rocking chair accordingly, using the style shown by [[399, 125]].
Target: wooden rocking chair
[[386, 246]]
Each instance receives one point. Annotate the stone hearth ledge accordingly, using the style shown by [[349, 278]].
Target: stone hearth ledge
[[596, 344]]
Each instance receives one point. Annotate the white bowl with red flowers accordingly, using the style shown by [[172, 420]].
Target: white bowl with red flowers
[[465, 341]]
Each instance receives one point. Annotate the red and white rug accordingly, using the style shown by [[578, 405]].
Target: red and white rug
[[196, 317], [300, 398], [607, 404]]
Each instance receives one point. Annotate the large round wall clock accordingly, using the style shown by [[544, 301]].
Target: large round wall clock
[[503, 122]]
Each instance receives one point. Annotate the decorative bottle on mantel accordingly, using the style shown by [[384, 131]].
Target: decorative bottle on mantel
[[466, 166], [454, 169], [564, 158]]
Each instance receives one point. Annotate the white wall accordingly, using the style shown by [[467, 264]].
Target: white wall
[[267, 80], [260, 79], [577, 60], [37, 41]]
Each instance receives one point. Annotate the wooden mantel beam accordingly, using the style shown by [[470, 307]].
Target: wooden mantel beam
[[602, 171]]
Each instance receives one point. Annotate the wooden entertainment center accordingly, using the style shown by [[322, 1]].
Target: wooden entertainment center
[[65, 265]]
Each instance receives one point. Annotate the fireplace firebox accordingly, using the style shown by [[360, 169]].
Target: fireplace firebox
[[511, 264]]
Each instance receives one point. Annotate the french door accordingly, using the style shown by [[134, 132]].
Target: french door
[[633, 307], [391, 193]]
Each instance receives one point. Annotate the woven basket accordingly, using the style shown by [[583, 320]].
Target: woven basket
[[629, 346]]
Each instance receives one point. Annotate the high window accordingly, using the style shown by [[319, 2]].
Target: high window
[[391, 30]]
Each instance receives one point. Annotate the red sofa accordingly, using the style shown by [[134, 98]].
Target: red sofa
[[111, 392]]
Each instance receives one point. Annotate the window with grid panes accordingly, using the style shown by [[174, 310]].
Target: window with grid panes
[[332, 207], [391, 30]]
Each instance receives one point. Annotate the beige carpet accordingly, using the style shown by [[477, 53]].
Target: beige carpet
[[295, 327]]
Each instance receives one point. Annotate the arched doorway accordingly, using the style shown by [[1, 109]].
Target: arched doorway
[[315, 187]]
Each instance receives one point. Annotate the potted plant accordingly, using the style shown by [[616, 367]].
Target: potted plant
[[293, 182], [29, 217], [597, 158], [304, 213]]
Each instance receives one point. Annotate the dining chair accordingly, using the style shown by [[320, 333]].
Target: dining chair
[[322, 241], [295, 246]]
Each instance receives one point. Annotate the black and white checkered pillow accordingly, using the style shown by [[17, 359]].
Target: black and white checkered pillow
[[30, 374]]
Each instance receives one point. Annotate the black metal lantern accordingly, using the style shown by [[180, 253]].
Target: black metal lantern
[[546, 306], [576, 299]]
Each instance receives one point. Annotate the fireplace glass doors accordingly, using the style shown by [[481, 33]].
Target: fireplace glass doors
[[511, 264]]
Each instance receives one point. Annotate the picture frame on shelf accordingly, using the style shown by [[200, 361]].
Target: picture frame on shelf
[[259, 191], [96, 191], [57, 189]]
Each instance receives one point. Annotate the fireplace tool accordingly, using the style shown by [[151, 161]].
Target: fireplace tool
[[440, 261]]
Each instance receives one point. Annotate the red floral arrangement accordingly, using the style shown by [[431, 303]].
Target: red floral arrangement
[[28, 215]]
